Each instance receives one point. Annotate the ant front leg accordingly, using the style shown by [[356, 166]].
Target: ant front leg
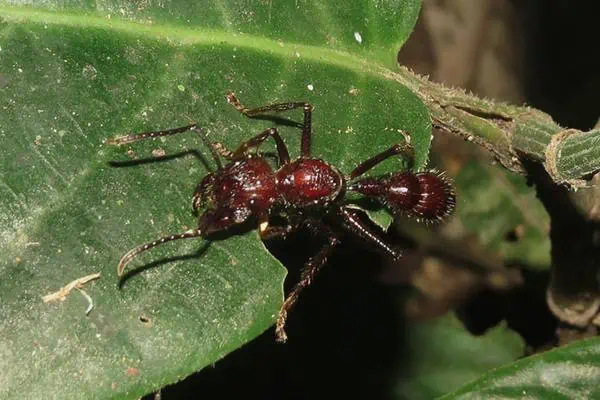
[[148, 135], [310, 270], [279, 107], [168, 132]]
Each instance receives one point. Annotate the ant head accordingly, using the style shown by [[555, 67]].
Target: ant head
[[222, 218]]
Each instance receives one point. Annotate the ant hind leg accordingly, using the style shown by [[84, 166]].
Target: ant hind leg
[[400, 148], [310, 270]]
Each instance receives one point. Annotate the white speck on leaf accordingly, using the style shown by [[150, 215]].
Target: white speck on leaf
[[311, 87], [358, 37]]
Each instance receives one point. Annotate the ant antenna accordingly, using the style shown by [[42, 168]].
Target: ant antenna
[[192, 233]]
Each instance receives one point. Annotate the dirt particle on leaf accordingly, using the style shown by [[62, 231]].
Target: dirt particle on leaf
[[63, 292], [132, 371], [134, 55], [89, 72], [159, 152]]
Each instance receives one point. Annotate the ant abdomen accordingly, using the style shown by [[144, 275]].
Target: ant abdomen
[[424, 195]]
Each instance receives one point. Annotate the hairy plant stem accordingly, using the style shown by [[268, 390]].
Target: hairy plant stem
[[511, 133]]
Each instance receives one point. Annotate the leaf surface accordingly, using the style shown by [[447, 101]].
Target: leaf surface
[[73, 76]]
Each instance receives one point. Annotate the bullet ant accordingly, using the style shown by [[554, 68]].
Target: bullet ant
[[307, 192]]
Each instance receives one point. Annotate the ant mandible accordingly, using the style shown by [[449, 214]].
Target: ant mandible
[[306, 191]]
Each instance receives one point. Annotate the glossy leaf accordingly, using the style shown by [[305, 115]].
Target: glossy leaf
[[71, 77], [446, 356], [569, 372]]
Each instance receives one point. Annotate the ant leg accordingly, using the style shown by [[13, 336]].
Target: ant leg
[[192, 233], [222, 150], [371, 233], [404, 149], [211, 146], [255, 142], [307, 275], [148, 135], [279, 107]]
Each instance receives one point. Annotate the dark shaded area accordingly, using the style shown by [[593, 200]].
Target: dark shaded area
[[562, 65], [523, 308]]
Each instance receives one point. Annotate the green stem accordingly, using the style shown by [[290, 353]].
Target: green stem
[[511, 133]]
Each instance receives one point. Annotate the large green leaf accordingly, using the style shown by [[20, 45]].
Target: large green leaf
[[71, 77], [569, 372]]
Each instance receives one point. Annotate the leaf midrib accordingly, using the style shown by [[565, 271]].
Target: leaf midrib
[[199, 35]]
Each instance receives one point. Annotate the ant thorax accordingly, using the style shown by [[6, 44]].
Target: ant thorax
[[309, 181]]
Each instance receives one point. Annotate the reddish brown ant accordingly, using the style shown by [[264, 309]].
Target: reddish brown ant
[[306, 191]]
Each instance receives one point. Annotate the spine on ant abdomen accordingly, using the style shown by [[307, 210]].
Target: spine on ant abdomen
[[425, 195]]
